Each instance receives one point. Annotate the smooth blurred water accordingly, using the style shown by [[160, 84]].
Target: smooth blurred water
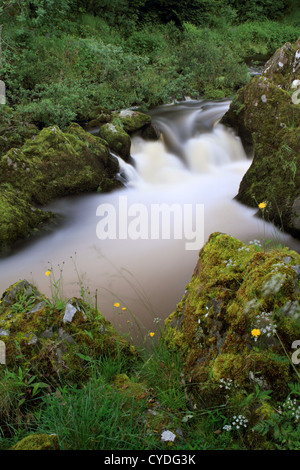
[[197, 161]]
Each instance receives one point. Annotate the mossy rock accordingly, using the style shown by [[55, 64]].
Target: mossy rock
[[118, 140], [14, 130], [263, 113], [51, 164], [212, 327], [131, 121], [130, 389], [56, 342], [19, 218], [37, 442]]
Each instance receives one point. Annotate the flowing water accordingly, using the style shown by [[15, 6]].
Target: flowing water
[[196, 161]]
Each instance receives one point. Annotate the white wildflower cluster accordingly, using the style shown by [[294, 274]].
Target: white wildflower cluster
[[255, 242], [229, 263], [244, 248], [292, 406], [273, 285], [168, 436], [264, 322], [278, 266], [227, 427], [227, 384], [156, 320], [238, 422]]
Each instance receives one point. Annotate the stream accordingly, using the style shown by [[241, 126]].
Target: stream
[[197, 161]]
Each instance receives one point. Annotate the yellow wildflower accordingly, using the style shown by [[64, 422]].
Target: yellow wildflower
[[124, 308], [262, 205], [152, 334], [117, 304], [47, 273], [255, 333]]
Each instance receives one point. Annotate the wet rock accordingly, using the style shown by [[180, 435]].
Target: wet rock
[[265, 112], [132, 121], [150, 133], [118, 140]]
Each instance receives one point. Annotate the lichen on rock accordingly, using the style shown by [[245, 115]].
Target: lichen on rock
[[235, 291]]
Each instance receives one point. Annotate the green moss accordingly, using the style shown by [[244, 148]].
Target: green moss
[[14, 130], [233, 284], [51, 164], [19, 217], [62, 346], [118, 140], [132, 121], [37, 442], [264, 113], [131, 389]]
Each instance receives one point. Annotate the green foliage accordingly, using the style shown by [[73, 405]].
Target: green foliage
[[58, 67], [95, 417], [283, 427], [262, 38], [210, 62], [256, 9]]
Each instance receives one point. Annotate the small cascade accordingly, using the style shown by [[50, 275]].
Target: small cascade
[[196, 161]]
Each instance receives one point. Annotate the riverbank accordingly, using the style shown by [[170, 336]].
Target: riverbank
[[65, 70], [221, 373]]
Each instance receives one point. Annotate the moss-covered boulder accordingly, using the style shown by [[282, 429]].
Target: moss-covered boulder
[[56, 163], [237, 321], [19, 218], [266, 112], [37, 442], [118, 140], [131, 121], [55, 340], [49, 165], [14, 130]]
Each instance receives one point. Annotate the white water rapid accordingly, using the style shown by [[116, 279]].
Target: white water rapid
[[197, 161]]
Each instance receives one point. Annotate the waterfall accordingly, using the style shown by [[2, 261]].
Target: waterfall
[[196, 161]]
